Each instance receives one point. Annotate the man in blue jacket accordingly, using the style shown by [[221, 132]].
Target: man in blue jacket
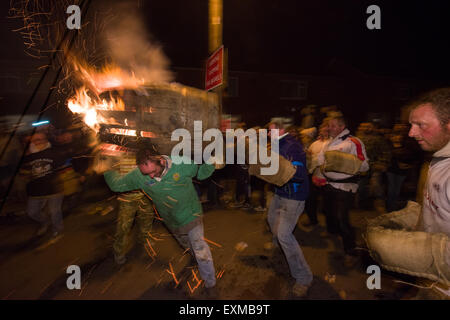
[[285, 209]]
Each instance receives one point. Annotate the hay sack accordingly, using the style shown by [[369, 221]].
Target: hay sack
[[394, 245], [286, 170], [338, 161]]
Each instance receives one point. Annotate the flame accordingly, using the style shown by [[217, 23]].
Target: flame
[[94, 83], [109, 76], [82, 103]]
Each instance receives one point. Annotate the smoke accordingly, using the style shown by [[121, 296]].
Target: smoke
[[132, 48]]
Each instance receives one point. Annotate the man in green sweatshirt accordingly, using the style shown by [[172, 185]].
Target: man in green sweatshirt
[[168, 183]]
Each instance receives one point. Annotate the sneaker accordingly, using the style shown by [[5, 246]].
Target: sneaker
[[20, 213], [57, 234], [350, 261], [310, 224], [42, 230], [210, 285], [270, 246], [236, 204], [300, 290], [120, 259], [260, 209], [246, 206], [211, 293]]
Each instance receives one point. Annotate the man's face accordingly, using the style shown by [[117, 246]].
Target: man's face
[[335, 128], [274, 127], [427, 129], [323, 131], [39, 140], [152, 169]]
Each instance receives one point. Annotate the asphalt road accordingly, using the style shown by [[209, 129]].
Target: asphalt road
[[36, 268]]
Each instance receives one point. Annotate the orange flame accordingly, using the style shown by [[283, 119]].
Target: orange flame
[[95, 82], [82, 103], [110, 76]]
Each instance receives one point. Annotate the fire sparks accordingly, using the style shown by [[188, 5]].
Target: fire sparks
[[171, 272], [151, 248], [220, 274], [212, 242], [195, 279]]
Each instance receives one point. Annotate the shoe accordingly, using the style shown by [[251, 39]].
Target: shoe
[[300, 290], [211, 293], [260, 209], [310, 224], [236, 204], [42, 230], [270, 246], [209, 285], [120, 259], [350, 261], [57, 234], [20, 213], [247, 206]]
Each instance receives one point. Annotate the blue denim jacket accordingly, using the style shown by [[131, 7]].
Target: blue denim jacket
[[298, 187]]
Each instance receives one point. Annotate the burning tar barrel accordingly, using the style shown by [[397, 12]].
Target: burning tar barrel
[[153, 112]]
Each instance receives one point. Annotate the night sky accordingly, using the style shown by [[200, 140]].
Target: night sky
[[308, 37], [300, 37], [293, 36]]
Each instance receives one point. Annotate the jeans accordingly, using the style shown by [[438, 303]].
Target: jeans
[[395, 182], [36, 204], [282, 217], [194, 240]]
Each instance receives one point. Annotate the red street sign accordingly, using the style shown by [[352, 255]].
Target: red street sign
[[214, 70]]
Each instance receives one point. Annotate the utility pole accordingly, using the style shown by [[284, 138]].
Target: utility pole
[[215, 30], [215, 26]]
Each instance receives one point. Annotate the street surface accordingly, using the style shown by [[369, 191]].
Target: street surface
[[35, 268]]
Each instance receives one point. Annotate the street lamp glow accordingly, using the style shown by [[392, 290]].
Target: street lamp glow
[[40, 123]]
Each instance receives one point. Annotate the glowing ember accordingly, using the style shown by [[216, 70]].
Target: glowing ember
[[124, 132]]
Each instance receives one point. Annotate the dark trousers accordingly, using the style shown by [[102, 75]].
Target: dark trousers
[[311, 201], [242, 184], [337, 205], [395, 183], [259, 185]]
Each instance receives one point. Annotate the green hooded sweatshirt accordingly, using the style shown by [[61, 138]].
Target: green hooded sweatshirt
[[175, 197]]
